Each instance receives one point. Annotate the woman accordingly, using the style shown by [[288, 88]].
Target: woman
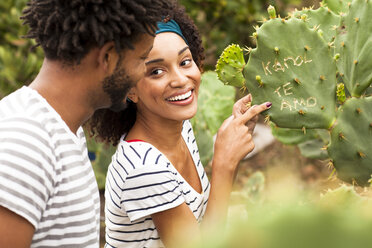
[[156, 188]]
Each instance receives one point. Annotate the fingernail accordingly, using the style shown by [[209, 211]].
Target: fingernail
[[268, 104]]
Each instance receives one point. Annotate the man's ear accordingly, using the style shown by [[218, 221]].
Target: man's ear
[[108, 57], [132, 95]]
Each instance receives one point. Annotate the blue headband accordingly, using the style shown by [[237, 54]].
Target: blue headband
[[170, 26]]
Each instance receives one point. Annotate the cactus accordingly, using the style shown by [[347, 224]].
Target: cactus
[[290, 136], [337, 6], [344, 196], [230, 66], [311, 142], [354, 45], [322, 20], [369, 91], [318, 75], [341, 94], [316, 148], [285, 67], [272, 12], [351, 140], [313, 149]]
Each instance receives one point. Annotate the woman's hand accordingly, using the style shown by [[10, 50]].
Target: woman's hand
[[234, 138], [240, 107]]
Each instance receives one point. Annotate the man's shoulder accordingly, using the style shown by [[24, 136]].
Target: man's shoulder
[[19, 103], [24, 112]]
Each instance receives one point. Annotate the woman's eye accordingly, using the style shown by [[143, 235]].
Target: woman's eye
[[156, 72], [185, 62]]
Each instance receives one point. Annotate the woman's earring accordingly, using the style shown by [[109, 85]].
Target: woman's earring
[[128, 100]]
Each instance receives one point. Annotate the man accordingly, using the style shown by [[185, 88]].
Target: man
[[94, 52]]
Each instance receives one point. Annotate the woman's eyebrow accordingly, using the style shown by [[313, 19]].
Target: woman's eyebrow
[[183, 49], [154, 61], [160, 60]]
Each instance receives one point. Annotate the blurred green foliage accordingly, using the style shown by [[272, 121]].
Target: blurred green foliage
[[290, 217], [18, 66], [100, 156]]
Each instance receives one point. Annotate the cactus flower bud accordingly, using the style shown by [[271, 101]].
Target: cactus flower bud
[[271, 11]]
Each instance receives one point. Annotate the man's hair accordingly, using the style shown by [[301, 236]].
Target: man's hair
[[68, 29]]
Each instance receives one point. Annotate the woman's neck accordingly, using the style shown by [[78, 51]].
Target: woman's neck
[[163, 134]]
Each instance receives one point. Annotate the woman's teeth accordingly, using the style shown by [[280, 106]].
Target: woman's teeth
[[180, 97]]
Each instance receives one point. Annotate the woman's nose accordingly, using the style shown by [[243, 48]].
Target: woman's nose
[[179, 78]]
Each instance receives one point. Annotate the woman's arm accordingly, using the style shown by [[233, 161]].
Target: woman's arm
[[178, 227], [234, 141]]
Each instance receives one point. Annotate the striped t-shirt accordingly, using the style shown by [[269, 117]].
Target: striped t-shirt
[[141, 181], [45, 174]]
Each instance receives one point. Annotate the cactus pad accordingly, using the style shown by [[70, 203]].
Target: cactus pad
[[322, 19], [290, 136], [230, 66], [337, 6], [354, 45], [295, 72], [313, 149], [351, 139]]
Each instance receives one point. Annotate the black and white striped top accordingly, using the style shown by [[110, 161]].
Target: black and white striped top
[[45, 174], [141, 181]]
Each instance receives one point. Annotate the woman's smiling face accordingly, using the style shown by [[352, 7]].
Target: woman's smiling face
[[171, 83]]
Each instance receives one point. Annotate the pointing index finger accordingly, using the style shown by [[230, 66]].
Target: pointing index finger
[[253, 111], [242, 105]]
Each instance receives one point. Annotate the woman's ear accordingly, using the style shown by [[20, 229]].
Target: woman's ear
[[108, 57], [132, 95]]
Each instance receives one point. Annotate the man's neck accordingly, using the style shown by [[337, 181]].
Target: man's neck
[[65, 90]]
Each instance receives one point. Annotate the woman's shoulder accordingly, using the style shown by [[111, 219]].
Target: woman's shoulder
[[137, 145], [134, 154]]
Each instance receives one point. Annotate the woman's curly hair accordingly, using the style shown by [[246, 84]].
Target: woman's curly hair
[[108, 126], [68, 29]]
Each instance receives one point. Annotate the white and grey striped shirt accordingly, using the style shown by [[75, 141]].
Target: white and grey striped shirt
[[45, 174], [141, 181]]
